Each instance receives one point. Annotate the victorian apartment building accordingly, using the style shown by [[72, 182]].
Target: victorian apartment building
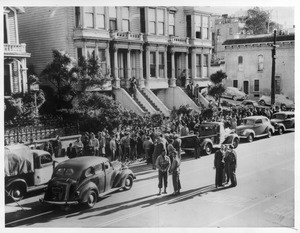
[[15, 54], [156, 45], [248, 64]]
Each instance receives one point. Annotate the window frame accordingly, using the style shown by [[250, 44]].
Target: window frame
[[172, 25], [260, 62], [256, 85], [126, 20]]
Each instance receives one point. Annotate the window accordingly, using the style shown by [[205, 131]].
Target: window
[[46, 159], [125, 19], [256, 85], [198, 65], [260, 62], [240, 63], [160, 21], [235, 83], [218, 32], [188, 26], [161, 65], [100, 17], [230, 31], [77, 17], [198, 26], [172, 24], [89, 17], [112, 18], [259, 121], [152, 21], [205, 27], [102, 58], [152, 64], [90, 52]]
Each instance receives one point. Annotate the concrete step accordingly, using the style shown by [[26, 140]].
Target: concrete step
[[150, 101]]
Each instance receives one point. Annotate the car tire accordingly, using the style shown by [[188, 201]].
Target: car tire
[[262, 102], [280, 130], [128, 183], [235, 143], [208, 149], [250, 137], [91, 199], [269, 133], [16, 193]]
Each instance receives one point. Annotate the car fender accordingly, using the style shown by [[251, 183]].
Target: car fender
[[120, 178], [231, 137], [205, 142], [85, 189], [16, 181], [280, 125], [249, 131]]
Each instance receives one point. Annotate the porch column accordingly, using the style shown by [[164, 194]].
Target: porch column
[[173, 79], [128, 68], [107, 58], [187, 73], [165, 65], [193, 75], [209, 63], [116, 69], [24, 76], [141, 78], [201, 65], [147, 66], [157, 64]]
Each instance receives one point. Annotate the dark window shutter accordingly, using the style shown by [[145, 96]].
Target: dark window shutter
[[188, 26], [143, 26]]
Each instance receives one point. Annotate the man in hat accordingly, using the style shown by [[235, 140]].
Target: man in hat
[[163, 165], [219, 165], [175, 170], [231, 160]]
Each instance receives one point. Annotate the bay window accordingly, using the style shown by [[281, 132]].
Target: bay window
[[100, 17], [160, 21], [125, 19], [152, 21], [112, 18], [89, 17], [198, 26], [172, 24]]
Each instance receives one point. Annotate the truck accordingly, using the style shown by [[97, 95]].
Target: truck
[[26, 170], [211, 135]]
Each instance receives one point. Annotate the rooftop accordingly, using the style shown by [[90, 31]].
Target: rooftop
[[264, 39]]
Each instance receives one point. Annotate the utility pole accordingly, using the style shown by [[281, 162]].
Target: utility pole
[[273, 70]]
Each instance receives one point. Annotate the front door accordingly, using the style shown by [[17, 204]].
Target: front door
[[246, 87], [43, 169], [108, 174]]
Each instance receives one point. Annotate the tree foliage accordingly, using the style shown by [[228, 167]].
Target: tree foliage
[[218, 88], [257, 21], [62, 74]]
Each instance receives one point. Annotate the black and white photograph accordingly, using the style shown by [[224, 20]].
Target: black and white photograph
[[149, 116]]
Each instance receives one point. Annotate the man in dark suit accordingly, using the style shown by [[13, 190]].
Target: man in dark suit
[[231, 161], [219, 165]]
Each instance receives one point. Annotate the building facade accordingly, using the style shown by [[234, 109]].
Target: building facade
[[248, 64], [15, 55], [156, 45]]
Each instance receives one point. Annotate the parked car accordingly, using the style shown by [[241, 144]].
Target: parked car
[[212, 135], [254, 127], [280, 100], [283, 121], [83, 180], [234, 93], [249, 103], [26, 170]]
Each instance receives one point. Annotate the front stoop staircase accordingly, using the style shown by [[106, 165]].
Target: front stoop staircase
[[150, 101], [141, 105]]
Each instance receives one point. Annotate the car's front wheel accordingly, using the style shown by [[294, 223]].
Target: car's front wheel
[[235, 143], [128, 183], [250, 137], [280, 130], [208, 149], [269, 133], [91, 199], [16, 193]]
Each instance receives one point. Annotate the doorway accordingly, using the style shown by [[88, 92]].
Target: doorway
[[246, 87]]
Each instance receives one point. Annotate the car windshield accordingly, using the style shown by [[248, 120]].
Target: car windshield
[[248, 122], [66, 172], [279, 116]]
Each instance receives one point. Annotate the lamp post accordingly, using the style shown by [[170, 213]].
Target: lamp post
[[273, 69]]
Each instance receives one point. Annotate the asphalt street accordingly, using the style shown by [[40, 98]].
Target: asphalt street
[[264, 196]]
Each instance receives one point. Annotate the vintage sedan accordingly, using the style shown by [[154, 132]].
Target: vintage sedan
[[254, 127], [283, 121], [83, 180], [280, 100], [234, 93]]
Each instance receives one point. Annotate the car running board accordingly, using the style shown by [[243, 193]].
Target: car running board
[[108, 192]]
